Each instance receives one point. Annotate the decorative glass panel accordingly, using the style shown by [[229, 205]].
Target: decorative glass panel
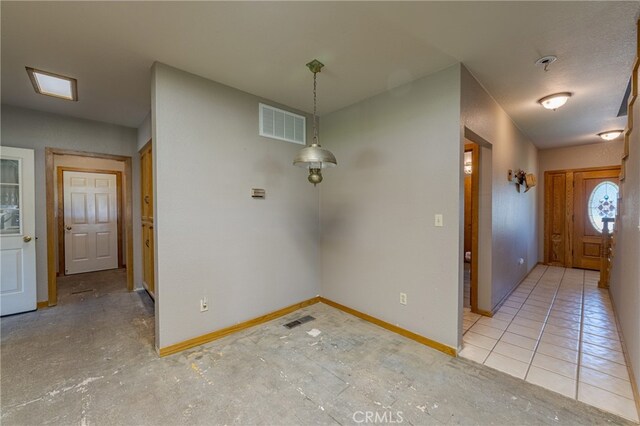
[[9, 196], [603, 203]]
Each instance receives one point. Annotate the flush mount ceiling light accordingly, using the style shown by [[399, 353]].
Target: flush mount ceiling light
[[610, 135], [555, 101], [50, 84], [314, 157]]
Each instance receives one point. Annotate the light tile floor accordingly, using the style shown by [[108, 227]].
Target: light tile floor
[[557, 330]]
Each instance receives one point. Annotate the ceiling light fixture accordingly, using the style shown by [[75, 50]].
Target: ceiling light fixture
[[50, 84], [555, 101], [314, 157], [610, 134]]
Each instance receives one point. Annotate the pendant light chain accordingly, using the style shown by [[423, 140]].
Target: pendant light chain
[[315, 100]]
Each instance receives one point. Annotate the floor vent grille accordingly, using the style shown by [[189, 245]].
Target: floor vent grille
[[299, 321]]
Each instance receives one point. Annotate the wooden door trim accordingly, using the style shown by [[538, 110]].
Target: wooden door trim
[[475, 213], [569, 209], [60, 208], [50, 177]]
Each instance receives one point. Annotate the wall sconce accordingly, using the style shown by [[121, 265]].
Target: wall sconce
[[520, 177]]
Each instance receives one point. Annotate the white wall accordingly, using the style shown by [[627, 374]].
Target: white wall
[[573, 157], [25, 128], [625, 279], [399, 163], [514, 219], [248, 257]]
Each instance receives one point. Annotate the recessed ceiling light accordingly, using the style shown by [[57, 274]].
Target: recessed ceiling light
[[555, 101], [610, 135], [50, 84]]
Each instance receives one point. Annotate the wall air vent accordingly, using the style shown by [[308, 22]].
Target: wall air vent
[[282, 125]]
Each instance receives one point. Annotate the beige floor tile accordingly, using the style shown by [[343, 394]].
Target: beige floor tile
[[503, 317], [494, 322], [511, 304], [532, 316], [560, 341], [602, 341], [513, 351], [479, 340], [604, 381], [484, 330], [599, 331], [607, 401], [524, 331], [552, 381], [599, 351], [565, 316], [558, 352], [535, 309], [529, 323], [562, 331], [507, 365], [565, 368], [564, 323], [507, 310], [474, 353], [516, 339], [604, 366]]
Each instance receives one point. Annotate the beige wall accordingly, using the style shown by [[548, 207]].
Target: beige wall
[[248, 257], [513, 234], [625, 280], [25, 128], [399, 163], [574, 157]]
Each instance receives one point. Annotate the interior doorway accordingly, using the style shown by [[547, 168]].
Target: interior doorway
[[471, 168], [575, 202], [120, 244], [89, 220]]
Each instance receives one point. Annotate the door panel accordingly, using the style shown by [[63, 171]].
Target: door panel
[[17, 227], [556, 233], [91, 221], [587, 238]]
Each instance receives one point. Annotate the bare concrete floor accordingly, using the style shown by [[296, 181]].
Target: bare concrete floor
[[90, 360]]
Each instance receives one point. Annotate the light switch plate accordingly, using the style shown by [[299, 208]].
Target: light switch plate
[[439, 220]]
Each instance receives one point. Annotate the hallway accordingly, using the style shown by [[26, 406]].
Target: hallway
[[557, 330]]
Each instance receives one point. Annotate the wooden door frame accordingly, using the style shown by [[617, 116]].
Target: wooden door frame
[[60, 209], [569, 210], [475, 213], [50, 176]]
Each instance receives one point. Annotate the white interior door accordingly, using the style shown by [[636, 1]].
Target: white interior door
[[17, 229], [91, 222]]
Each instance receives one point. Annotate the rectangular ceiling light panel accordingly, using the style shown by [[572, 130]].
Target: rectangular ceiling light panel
[[50, 84]]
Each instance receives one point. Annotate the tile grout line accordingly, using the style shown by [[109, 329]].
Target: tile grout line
[[581, 332], [535, 348]]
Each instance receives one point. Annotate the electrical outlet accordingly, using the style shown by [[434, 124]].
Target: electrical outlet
[[204, 305], [438, 220], [403, 298]]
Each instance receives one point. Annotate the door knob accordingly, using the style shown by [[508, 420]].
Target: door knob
[[26, 238], [68, 228]]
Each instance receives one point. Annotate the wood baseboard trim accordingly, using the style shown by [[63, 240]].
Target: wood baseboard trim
[[215, 335], [43, 304], [394, 328], [485, 313]]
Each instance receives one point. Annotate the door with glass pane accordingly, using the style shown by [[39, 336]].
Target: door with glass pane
[[595, 198], [17, 228]]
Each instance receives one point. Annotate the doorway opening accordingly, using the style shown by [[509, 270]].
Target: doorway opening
[[575, 203], [471, 204], [101, 192]]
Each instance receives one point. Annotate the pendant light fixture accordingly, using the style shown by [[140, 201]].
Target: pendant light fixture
[[314, 157]]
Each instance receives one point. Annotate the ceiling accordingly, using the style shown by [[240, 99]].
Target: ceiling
[[368, 47]]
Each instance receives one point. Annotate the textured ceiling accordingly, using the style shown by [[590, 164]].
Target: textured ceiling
[[367, 47]]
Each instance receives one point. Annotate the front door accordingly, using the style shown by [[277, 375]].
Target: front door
[[90, 221], [595, 198], [17, 229]]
